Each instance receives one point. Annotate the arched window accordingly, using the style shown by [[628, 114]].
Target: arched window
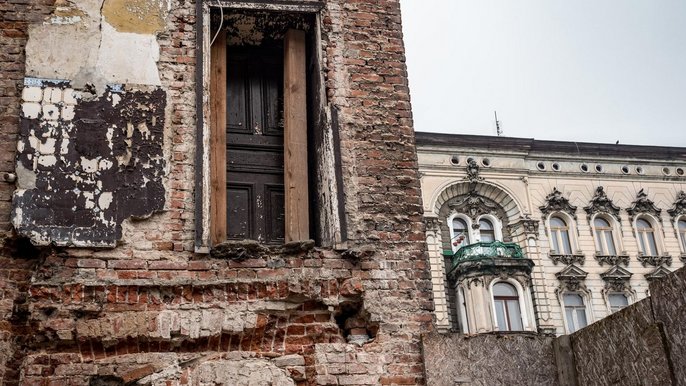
[[575, 311], [559, 232], [617, 301], [507, 311], [604, 240], [486, 231], [646, 237], [682, 233], [460, 235]]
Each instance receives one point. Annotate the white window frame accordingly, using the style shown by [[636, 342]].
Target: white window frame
[[497, 226], [627, 295], [525, 305], [586, 299], [602, 242], [470, 230], [656, 235], [681, 236], [571, 233]]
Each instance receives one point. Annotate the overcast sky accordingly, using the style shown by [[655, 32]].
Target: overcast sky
[[583, 70]]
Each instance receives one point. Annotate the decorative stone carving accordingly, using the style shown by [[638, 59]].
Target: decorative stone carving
[[473, 170], [613, 259], [529, 227], [556, 202], [658, 273], [475, 205], [567, 259], [679, 207], [643, 205], [655, 261], [571, 278], [617, 279], [432, 224], [600, 203]]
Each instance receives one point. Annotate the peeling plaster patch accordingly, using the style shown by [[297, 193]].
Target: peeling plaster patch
[[72, 189], [31, 110], [26, 178], [138, 66], [136, 16]]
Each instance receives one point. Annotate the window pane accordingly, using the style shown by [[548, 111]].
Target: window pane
[[618, 301], [609, 240], [599, 242], [642, 243], [566, 245], [556, 245], [515, 315], [500, 315], [651, 243], [556, 222], [581, 318], [569, 312], [487, 236], [573, 300], [504, 289], [485, 224], [683, 239], [601, 222], [459, 225], [682, 225], [642, 224]]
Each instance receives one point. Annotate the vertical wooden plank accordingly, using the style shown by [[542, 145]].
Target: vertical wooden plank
[[295, 137], [218, 139]]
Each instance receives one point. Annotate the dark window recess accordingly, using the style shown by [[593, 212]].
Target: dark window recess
[[254, 149]]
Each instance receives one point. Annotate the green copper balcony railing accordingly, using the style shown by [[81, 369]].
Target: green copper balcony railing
[[496, 249]]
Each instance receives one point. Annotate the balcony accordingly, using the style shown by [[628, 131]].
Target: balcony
[[481, 251]]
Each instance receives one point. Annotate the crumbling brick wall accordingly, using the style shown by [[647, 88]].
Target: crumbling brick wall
[[152, 311]]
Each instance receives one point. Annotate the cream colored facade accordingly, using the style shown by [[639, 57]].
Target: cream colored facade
[[533, 181]]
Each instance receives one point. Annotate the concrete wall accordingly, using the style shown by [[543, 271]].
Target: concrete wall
[[489, 359]]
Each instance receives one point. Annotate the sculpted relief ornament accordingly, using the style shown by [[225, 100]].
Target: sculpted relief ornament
[[571, 278], [679, 207], [600, 203], [473, 169], [556, 202], [643, 205], [617, 279], [475, 205]]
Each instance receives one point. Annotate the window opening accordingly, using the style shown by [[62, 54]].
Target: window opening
[[605, 243], [617, 301], [560, 236], [682, 232], [646, 237], [460, 233], [575, 312], [506, 302], [486, 231]]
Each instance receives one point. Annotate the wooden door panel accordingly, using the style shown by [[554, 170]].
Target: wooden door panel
[[240, 210]]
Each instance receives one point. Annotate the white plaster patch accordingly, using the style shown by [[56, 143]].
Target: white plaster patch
[[52, 95], [70, 97], [47, 160], [105, 200], [115, 99], [32, 94], [31, 110], [65, 20], [68, 113], [64, 146], [139, 65], [143, 128], [51, 112], [47, 147], [89, 165]]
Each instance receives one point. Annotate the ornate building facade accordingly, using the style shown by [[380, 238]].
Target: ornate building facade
[[527, 235]]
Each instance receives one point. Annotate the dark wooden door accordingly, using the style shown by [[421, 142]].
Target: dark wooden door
[[254, 143]]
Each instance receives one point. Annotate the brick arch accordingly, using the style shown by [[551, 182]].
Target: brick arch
[[487, 190]]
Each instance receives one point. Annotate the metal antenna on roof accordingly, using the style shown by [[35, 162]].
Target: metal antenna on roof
[[498, 130]]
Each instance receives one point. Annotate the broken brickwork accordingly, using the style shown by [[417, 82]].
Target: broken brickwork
[[151, 310]]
